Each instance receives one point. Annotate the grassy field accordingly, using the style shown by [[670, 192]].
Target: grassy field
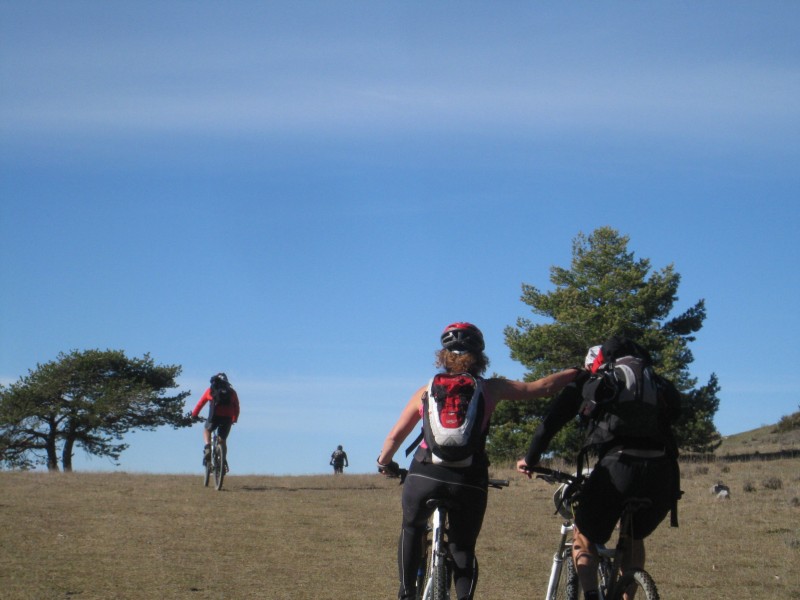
[[116, 536], [762, 440]]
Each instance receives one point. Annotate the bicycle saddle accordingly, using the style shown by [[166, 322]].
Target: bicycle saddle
[[441, 503]]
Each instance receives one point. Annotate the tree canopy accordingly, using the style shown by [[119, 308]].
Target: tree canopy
[[89, 399], [606, 291]]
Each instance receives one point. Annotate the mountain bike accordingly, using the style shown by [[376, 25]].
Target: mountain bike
[[217, 464], [614, 583], [434, 576]]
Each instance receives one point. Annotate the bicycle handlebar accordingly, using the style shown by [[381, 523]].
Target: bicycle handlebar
[[552, 475], [498, 483], [397, 473]]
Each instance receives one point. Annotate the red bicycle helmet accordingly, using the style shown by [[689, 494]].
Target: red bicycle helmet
[[462, 337]]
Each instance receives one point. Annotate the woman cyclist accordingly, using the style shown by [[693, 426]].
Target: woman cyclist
[[461, 352]]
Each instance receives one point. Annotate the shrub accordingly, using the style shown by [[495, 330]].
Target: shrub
[[749, 486], [788, 423], [772, 483]]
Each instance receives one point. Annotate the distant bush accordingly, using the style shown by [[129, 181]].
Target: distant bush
[[701, 470], [788, 423], [773, 483], [749, 486], [725, 469]]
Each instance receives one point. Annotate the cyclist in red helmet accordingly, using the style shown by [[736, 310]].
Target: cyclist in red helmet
[[461, 352]]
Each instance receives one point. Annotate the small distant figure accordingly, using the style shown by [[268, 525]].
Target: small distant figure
[[339, 460], [721, 491]]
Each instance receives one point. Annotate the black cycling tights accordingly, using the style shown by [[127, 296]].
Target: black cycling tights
[[466, 487]]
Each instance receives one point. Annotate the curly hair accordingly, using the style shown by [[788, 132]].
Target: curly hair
[[467, 362]]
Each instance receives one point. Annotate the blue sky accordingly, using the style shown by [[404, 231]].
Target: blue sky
[[303, 194]]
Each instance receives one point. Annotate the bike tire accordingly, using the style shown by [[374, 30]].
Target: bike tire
[[441, 583], [219, 466], [568, 585], [207, 473], [645, 586]]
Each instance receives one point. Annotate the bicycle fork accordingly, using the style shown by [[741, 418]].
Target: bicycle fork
[[558, 561]]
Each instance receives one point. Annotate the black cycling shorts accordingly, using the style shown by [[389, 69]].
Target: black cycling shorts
[[221, 424], [618, 477]]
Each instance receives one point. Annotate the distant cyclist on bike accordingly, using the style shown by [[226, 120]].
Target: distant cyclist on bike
[[642, 465], [223, 411], [462, 360], [339, 460]]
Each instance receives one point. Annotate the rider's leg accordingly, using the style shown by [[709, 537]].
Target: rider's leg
[[223, 430], [465, 525], [207, 441], [584, 555], [416, 491]]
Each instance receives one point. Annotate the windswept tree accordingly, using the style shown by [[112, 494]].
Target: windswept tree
[[87, 399], [605, 292]]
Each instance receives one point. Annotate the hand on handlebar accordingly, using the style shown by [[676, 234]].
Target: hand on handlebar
[[524, 468], [390, 470]]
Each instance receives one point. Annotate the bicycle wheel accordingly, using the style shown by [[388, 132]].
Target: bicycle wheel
[[440, 584], [638, 582], [207, 473], [568, 585], [219, 465]]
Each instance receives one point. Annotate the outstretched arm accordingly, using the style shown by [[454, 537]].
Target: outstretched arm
[[563, 409], [508, 389]]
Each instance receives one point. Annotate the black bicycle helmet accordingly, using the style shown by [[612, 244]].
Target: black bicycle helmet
[[219, 377], [462, 337]]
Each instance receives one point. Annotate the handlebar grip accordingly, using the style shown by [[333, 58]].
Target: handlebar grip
[[552, 475]]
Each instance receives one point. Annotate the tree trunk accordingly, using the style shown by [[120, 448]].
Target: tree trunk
[[66, 454], [50, 447]]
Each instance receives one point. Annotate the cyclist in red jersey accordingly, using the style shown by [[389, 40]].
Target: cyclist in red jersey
[[223, 411]]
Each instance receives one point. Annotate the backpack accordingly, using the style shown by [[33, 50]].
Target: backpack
[[621, 400], [625, 400], [452, 419], [221, 393]]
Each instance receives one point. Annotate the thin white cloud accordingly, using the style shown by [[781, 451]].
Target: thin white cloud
[[698, 103], [293, 85]]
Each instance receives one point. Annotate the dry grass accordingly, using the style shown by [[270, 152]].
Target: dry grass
[[762, 440], [102, 536]]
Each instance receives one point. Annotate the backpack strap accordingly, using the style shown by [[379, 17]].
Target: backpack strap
[[415, 443], [421, 435]]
